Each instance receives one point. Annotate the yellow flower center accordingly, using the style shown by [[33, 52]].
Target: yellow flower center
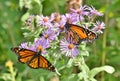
[[57, 17], [78, 11], [46, 36], [61, 27], [39, 48], [70, 46], [9, 64], [45, 19], [99, 27]]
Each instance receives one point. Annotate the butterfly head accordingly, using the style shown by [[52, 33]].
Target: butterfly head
[[92, 36], [39, 48], [16, 49], [67, 26], [52, 68]]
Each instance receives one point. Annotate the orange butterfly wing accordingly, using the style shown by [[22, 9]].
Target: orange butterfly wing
[[33, 59], [40, 62], [76, 34], [79, 31], [73, 36], [24, 55]]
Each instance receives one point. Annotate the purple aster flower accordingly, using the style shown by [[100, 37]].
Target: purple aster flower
[[72, 18], [99, 26], [68, 48], [81, 12], [32, 47], [94, 12], [29, 20], [39, 42], [24, 45], [44, 21], [39, 45], [63, 19], [59, 27], [58, 22], [55, 17], [48, 36]]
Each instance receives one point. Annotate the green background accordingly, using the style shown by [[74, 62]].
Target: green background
[[106, 49]]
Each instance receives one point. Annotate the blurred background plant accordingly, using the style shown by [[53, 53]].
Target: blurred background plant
[[12, 18]]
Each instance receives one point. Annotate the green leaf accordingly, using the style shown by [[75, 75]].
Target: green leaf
[[36, 7], [69, 64], [94, 71], [21, 4], [6, 76], [25, 17]]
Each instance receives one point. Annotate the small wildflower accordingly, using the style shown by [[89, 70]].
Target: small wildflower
[[32, 47], [63, 19], [99, 26], [58, 22], [68, 48], [9, 64], [94, 12], [59, 27], [44, 21], [39, 45], [48, 36], [24, 45], [29, 20], [81, 12], [55, 17], [72, 18], [12, 72]]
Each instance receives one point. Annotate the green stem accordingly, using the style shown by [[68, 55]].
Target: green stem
[[12, 73], [9, 29], [103, 54], [56, 7], [104, 42], [84, 68]]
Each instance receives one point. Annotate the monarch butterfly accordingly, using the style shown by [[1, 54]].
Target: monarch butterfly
[[33, 59], [76, 34]]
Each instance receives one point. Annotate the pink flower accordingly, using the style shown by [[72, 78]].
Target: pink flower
[[94, 12], [81, 12], [98, 27], [44, 21], [68, 48]]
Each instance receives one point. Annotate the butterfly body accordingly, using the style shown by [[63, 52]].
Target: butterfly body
[[33, 59], [76, 34]]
